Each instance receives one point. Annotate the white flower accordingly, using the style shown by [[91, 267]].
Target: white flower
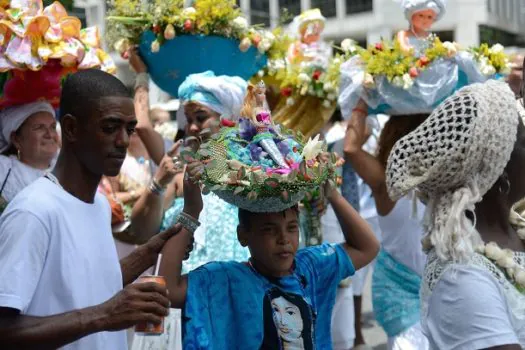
[[327, 104], [304, 90], [304, 78], [336, 61], [397, 81], [269, 36], [188, 11], [497, 48], [507, 259], [480, 249], [122, 45], [519, 276], [368, 81], [260, 73], [264, 45], [312, 148], [452, 48], [245, 44], [407, 81], [328, 87], [348, 45], [240, 23], [155, 46], [290, 101], [493, 251], [506, 70], [331, 97]]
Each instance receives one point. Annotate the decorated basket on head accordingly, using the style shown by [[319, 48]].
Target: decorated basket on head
[[39, 47], [306, 75], [175, 41], [259, 166], [416, 71]]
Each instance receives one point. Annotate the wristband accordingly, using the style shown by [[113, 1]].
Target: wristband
[[156, 188], [361, 110], [142, 80], [188, 222]]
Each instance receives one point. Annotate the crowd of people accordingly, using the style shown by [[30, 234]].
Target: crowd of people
[[431, 203]]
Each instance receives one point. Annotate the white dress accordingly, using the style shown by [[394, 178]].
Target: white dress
[[15, 176]]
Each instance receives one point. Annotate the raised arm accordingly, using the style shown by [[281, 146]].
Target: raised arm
[[152, 140], [174, 251], [148, 211], [360, 242], [368, 167]]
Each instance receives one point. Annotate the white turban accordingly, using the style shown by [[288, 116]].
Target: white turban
[[223, 94], [412, 6], [12, 118]]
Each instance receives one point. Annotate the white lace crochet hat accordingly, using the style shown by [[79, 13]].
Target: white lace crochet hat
[[453, 158]]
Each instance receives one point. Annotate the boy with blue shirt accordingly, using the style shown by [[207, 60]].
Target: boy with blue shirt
[[282, 298]]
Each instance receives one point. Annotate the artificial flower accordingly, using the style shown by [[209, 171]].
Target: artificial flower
[[408, 82], [327, 104], [497, 48], [348, 45], [312, 149], [519, 276], [493, 251], [155, 46], [368, 81], [290, 101], [169, 32], [240, 23], [303, 77], [245, 44], [452, 48]]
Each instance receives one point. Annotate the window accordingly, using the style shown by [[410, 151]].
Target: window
[[293, 8], [260, 12], [357, 6], [327, 7], [446, 35], [493, 36]]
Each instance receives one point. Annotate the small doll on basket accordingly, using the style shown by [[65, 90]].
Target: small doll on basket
[[309, 48], [256, 110], [421, 15]]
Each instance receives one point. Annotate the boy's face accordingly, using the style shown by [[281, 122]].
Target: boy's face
[[273, 239]]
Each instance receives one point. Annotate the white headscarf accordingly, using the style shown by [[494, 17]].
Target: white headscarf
[[12, 118], [453, 158], [223, 94]]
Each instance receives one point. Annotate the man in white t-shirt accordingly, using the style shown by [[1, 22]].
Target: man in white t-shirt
[[60, 278]]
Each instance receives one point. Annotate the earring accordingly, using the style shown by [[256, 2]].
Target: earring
[[504, 186]]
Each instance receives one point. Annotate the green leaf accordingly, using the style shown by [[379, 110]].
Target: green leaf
[[216, 188], [241, 173], [238, 190]]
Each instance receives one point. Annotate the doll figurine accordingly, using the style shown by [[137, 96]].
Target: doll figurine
[[256, 110], [309, 49], [421, 15]]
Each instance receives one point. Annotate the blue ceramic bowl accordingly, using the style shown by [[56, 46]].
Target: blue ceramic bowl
[[189, 54]]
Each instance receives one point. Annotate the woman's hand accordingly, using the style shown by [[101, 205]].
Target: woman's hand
[[136, 62], [170, 166], [358, 130]]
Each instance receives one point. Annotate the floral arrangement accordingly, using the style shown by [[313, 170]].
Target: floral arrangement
[[492, 60], [310, 80], [31, 36], [256, 187], [401, 69], [128, 19]]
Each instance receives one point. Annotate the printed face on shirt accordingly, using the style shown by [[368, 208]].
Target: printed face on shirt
[[200, 117], [273, 239], [288, 321], [423, 20], [104, 139]]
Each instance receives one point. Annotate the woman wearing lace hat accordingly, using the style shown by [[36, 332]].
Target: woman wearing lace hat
[[467, 161]]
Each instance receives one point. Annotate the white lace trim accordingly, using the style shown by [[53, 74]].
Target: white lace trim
[[435, 268]]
